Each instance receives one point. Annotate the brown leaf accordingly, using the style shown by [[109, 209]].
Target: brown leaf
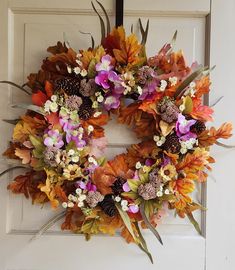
[[58, 48], [23, 154]]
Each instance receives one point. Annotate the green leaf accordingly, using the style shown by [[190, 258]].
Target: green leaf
[[101, 161], [188, 103], [36, 141], [131, 195], [148, 224], [90, 226], [143, 244], [133, 184], [91, 72], [126, 221], [194, 222], [182, 87]]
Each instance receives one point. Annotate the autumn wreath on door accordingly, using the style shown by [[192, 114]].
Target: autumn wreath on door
[[61, 142]]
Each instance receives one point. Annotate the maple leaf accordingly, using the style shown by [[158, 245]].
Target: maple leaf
[[22, 130], [201, 112], [181, 188], [202, 86], [58, 48], [10, 152], [224, 132], [104, 177], [129, 115], [126, 50], [92, 55], [69, 223], [205, 139], [97, 123], [20, 185], [192, 163], [140, 152], [109, 225], [23, 154]]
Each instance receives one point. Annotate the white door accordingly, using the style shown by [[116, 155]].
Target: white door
[[28, 27]]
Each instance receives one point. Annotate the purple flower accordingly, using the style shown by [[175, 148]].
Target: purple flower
[[126, 187], [148, 90], [87, 186], [105, 63], [112, 102], [54, 139], [133, 209], [149, 162], [102, 79], [183, 128]]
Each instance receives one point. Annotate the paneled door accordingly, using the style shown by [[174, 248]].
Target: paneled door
[[27, 28]]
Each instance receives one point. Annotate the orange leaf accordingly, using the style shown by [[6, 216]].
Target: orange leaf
[[105, 176], [39, 98], [202, 86], [224, 132], [194, 162], [20, 185], [201, 112], [23, 154]]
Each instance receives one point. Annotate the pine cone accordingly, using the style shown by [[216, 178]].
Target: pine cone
[[85, 110], [172, 144], [117, 186], [93, 198], [168, 110], [198, 127], [108, 206], [69, 85]]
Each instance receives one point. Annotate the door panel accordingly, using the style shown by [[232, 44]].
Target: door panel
[[30, 27]]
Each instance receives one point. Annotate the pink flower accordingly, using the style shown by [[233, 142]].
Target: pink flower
[[126, 187], [112, 102], [105, 63], [87, 186], [54, 139], [133, 209], [102, 79], [183, 128]]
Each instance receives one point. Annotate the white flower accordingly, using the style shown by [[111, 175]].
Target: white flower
[[156, 138], [82, 198], [75, 159], [64, 205], [80, 204], [78, 191], [163, 139], [69, 69], [163, 85], [83, 73], [167, 192], [100, 99], [192, 85], [77, 70], [97, 114], [159, 143], [97, 94], [81, 129], [70, 204], [92, 160], [71, 152], [95, 104], [117, 199], [54, 98], [138, 165], [159, 193], [125, 208], [124, 203], [139, 90], [90, 128], [47, 105], [54, 107], [173, 80], [183, 150]]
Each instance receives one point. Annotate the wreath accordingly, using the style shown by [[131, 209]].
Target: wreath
[[61, 141]]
